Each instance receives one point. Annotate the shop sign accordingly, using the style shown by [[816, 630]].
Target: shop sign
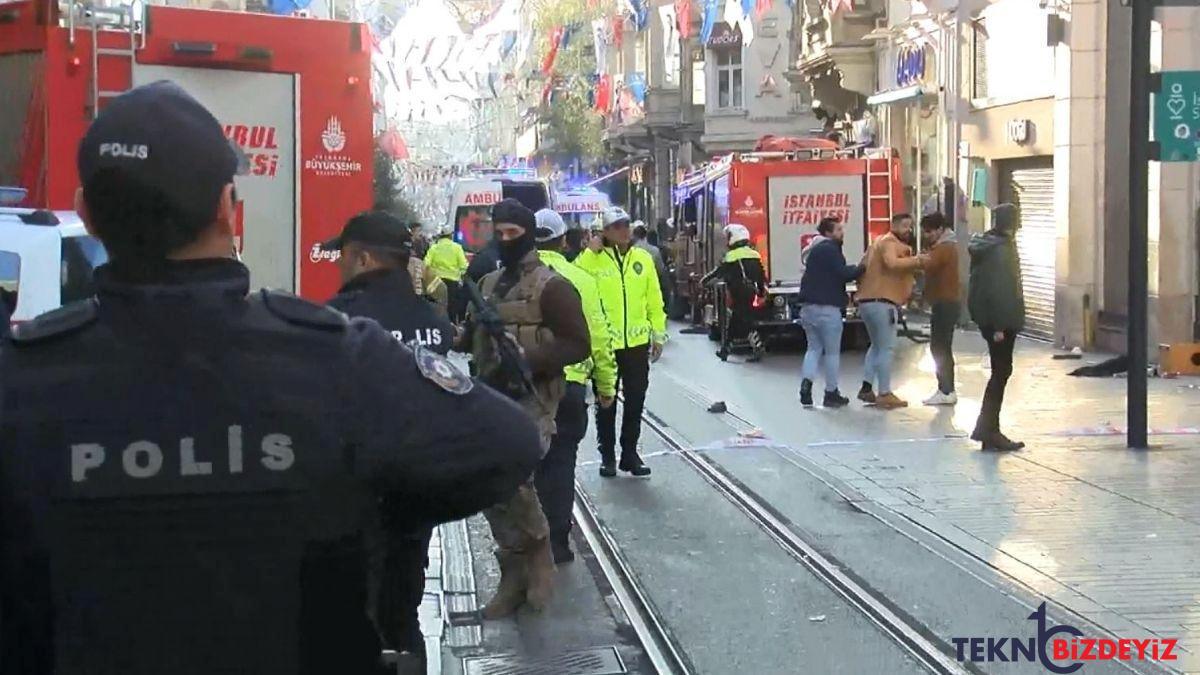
[[1018, 131], [911, 64], [725, 36]]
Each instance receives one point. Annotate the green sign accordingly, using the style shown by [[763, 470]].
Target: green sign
[[1177, 116]]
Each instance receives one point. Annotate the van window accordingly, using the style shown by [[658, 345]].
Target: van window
[[532, 195], [10, 277], [473, 227], [80, 257]]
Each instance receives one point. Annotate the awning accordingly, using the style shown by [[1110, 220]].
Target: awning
[[896, 95]]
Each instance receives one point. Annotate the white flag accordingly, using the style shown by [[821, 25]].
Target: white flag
[[735, 16], [600, 41], [670, 32]]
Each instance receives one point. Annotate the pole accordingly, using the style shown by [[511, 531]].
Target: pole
[[1139, 168]]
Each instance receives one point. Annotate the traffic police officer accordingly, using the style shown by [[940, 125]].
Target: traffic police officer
[[188, 468], [542, 312], [375, 252], [633, 302], [448, 261], [555, 477], [742, 272]]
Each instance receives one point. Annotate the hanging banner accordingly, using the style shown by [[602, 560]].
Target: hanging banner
[[711, 7], [670, 51], [683, 17], [600, 43]]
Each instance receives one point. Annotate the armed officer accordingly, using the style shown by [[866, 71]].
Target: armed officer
[[376, 250], [188, 468], [542, 313]]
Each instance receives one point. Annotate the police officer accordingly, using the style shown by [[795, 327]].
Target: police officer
[[542, 312], [448, 261], [555, 477], [189, 468], [375, 252], [742, 272], [633, 302]]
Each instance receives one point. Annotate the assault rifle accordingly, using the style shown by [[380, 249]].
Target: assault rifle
[[510, 375]]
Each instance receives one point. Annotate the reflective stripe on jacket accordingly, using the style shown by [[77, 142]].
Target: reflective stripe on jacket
[[630, 294], [447, 259]]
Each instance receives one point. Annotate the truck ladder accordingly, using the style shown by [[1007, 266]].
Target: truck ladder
[[125, 18], [873, 196]]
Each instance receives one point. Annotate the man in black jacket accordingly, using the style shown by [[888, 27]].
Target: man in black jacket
[[823, 292], [375, 249], [745, 278], [190, 469]]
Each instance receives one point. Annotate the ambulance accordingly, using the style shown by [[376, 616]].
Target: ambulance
[[580, 207], [472, 197], [781, 196]]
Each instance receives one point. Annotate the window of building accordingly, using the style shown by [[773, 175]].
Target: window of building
[[978, 60], [729, 78]]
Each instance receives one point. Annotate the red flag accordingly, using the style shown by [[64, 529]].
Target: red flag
[[761, 7], [683, 17], [556, 36], [618, 30]]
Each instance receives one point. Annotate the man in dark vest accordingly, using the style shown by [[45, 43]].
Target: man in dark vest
[[374, 253], [189, 469], [542, 313]]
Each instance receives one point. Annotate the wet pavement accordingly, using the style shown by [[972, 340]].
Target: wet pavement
[[1106, 533]]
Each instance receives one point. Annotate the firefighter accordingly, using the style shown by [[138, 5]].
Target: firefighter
[[556, 475], [632, 301], [447, 259], [542, 312], [745, 279]]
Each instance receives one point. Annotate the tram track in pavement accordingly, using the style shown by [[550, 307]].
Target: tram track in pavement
[[663, 652]]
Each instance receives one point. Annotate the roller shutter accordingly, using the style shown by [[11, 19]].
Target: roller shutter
[[1030, 185]]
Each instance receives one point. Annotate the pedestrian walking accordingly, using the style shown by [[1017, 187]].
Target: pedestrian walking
[[996, 301], [632, 302], [447, 259], [745, 279], [884, 288], [944, 294], [543, 314], [555, 478], [190, 469], [823, 292]]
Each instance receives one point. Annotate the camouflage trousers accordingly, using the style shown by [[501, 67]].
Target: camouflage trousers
[[519, 523]]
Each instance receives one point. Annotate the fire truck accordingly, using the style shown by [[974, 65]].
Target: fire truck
[[293, 93], [780, 196]]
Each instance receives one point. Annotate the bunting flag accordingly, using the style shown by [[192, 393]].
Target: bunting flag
[[428, 48], [735, 15], [618, 31], [709, 20], [636, 82], [666, 15], [748, 7], [508, 41], [604, 94], [761, 7], [600, 44], [683, 17], [639, 10]]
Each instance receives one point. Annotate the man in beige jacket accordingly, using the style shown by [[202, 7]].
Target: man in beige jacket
[[884, 288]]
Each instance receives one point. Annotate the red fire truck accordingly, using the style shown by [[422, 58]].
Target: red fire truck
[[294, 93], [780, 197]]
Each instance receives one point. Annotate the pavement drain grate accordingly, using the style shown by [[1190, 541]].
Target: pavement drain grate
[[596, 661]]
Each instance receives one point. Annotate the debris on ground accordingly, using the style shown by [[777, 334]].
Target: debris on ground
[[718, 407]]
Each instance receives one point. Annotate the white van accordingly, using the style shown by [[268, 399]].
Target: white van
[[46, 261], [472, 198]]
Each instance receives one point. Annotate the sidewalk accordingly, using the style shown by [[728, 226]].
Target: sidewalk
[[1112, 534]]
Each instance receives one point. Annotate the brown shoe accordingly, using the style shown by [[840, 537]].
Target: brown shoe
[[540, 567], [514, 583], [890, 401]]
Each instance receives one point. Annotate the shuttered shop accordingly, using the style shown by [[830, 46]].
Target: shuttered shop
[[1029, 183]]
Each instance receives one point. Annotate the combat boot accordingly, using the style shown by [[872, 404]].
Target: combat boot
[[514, 583], [540, 566]]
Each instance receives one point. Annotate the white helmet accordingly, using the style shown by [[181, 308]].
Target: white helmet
[[737, 232]]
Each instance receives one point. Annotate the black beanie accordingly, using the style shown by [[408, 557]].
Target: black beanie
[[512, 211]]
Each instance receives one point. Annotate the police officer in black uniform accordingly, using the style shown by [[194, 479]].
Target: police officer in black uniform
[[375, 248], [188, 468]]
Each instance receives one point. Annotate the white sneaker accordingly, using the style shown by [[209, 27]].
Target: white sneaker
[[939, 398]]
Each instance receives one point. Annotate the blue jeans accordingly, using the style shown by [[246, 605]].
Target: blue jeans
[[823, 327], [880, 318]]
